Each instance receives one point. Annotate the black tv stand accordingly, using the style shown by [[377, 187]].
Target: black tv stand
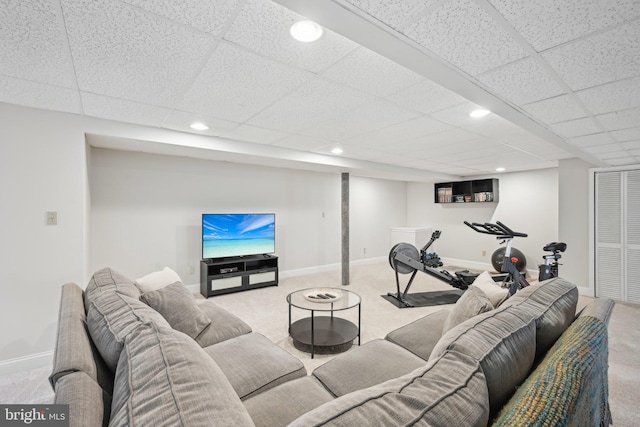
[[234, 274]]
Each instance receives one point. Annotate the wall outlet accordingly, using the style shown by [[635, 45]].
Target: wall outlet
[[52, 218], [484, 253], [191, 269]]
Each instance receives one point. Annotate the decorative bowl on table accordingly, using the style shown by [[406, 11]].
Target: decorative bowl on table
[[323, 295]]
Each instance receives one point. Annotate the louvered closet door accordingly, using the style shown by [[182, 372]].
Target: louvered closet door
[[632, 236], [617, 223]]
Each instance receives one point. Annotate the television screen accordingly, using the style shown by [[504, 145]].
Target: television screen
[[228, 235]]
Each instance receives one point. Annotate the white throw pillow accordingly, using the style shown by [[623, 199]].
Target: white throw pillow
[[157, 280], [496, 293]]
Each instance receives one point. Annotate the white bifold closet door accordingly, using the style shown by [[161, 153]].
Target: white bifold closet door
[[617, 235]]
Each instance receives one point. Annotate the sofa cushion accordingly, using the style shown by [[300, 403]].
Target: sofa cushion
[[569, 387], [111, 317], [253, 364], [176, 304], [224, 325], [89, 404], [496, 293], [74, 351], [448, 391], [165, 379], [157, 280], [108, 280], [503, 341], [473, 302], [284, 403], [373, 363], [553, 304], [420, 336]]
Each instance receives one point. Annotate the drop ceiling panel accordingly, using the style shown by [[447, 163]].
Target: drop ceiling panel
[[620, 119], [255, 134], [547, 23], [372, 73], [611, 97], [318, 101], [626, 134], [263, 27], [453, 136], [590, 140], [370, 117], [598, 59], [123, 111], [578, 127], [235, 84], [595, 149], [300, 142], [427, 97], [462, 33], [206, 15], [496, 128], [631, 145], [555, 110], [32, 43], [180, 120], [396, 13], [38, 95], [391, 135], [522, 82], [459, 115], [122, 52]]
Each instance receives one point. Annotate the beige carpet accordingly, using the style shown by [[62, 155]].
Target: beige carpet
[[266, 310]]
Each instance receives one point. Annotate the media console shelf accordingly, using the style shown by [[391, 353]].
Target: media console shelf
[[225, 275], [474, 191]]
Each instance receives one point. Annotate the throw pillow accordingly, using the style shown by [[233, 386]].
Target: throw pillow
[[473, 302], [176, 304], [157, 279], [496, 293]]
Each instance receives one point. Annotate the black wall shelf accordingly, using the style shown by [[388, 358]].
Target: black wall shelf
[[474, 191], [225, 275]]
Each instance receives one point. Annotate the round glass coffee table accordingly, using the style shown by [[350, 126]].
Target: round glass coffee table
[[325, 333]]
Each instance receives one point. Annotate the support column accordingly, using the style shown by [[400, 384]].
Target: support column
[[345, 228]]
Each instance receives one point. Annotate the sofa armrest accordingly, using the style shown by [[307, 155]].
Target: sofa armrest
[[422, 335], [600, 308]]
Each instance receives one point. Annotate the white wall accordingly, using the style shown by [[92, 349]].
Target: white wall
[[42, 168], [146, 211], [528, 203]]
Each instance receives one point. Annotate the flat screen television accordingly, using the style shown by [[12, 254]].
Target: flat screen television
[[232, 235]]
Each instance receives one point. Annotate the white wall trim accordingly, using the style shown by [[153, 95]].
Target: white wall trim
[[25, 363], [586, 291]]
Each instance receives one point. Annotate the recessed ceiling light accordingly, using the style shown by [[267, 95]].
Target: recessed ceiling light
[[337, 150], [480, 112], [500, 169], [306, 31], [199, 126]]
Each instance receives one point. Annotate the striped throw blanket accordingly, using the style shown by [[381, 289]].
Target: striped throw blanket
[[570, 386]]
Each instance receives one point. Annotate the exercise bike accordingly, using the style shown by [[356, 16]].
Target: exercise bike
[[404, 258], [549, 269], [514, 280]]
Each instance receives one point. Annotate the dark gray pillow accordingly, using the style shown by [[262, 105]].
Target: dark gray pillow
[[176, 304], [473, 302]]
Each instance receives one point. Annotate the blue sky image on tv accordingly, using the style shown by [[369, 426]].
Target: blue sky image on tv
[[226, 235]]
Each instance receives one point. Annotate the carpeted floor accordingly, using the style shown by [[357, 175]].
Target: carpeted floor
[[266, 310]]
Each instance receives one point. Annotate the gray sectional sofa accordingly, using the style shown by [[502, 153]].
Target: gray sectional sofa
[[531, 361]]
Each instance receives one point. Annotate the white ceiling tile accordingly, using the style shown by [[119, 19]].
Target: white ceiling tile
[[495, 128], [368, 71], [626, 134], [611, 97], [410, 129], [122, 111], [206, 15], [631, 145], [38, 95], [599, 59], [315, 102], [590, 140], [555, 110], [370, 117], [453, 136], [300, 142], [521, 82], [236, 84], [394, 13], [122, 52], [427, 97], [635, 153], [362, 153], [263, 26], [620, 119], [547, 23], [181, 121], [613, 155], [623, 161], [579, 127], [462, 33], [254, 134], [459, 115], [595, 149], [32, 43]]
